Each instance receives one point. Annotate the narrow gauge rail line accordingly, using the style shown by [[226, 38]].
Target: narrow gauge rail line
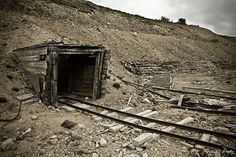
[[189, 139], [219, 134]]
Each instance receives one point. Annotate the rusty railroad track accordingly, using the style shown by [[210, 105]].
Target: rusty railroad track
[[64, 100]]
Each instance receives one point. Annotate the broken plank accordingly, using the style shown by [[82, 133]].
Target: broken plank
[[84, 106], [149, 125], [212, 90], [196, 93], [25, 97], [180, 100], [112, 114], [206, 138], [150, 136], [131, 120], [117, 125], [182, 122]]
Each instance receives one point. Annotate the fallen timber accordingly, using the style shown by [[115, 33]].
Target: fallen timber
[[196, 93], [211, 90], [230, 113], [174, 90], [189, 139]]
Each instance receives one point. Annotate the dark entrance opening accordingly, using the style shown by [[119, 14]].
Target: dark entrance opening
[[76, 74]]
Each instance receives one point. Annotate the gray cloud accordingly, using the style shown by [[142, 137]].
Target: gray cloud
[[216, 15]]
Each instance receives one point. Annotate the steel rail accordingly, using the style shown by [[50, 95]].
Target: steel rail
[[220, 134], [189, 139]]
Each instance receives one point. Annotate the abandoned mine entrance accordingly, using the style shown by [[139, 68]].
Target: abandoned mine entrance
[[76, 74], [57, 69]]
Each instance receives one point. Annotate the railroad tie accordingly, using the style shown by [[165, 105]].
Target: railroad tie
[[145, 137], [146, 113], [112, 114]]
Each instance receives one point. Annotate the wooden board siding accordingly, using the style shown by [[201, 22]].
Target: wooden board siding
[[31, 52]]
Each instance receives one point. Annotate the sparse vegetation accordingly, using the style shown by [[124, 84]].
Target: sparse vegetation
[[214, 40], [116, 85], [3, 99], [10, 77], [165, 19], [182, 21], [15, 89]]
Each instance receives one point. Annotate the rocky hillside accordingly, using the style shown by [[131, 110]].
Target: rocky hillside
[[133, 37]]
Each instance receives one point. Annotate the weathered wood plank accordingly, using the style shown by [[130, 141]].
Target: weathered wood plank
[[41, 64], [131, 120], [29, 58], [35, 70], [25, 97], [180, 100], [151, 136], [31, 52], [206, 138], [112, 114]]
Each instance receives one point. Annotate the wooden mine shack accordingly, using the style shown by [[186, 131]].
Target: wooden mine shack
[[60, 69]]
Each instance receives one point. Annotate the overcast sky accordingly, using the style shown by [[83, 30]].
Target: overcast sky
[[216, 15]]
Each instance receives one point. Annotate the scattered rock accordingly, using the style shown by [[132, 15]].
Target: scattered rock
[[233, 130], [139, 149], [4, 44], [42, 151], [95, 155], [97, 144], [116, 85], [74, 136], [15, 89], [217, 154], [135, 33], [146, 100], [68, 124], [82, 151], [10, 77], [131, 147], [68, 109], [81, 126], [222, 129], [34, 117], [103, 142], [215, 102], [8, 66], [7, 144], [3, 99], [23, 134], [213, 118], [145, 155], [131, 155], [86, 98], [53, 141], [53, 137]]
